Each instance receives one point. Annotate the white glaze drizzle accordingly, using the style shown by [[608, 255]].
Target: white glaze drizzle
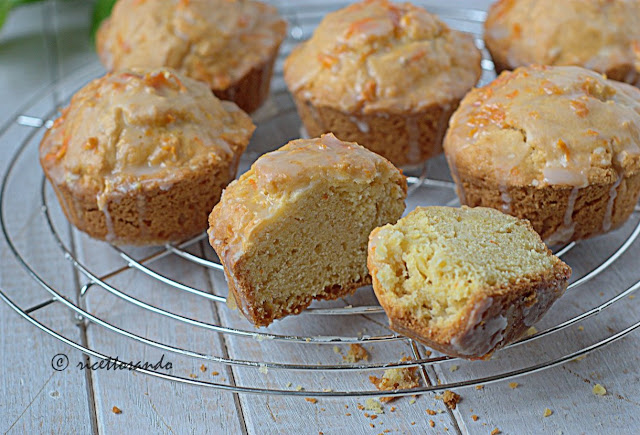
[[481, 335], [613, 194], [505, 198], [566, 230], [362, 125], [111, 235]]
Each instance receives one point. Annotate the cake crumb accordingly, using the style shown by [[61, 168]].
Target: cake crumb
[[116, 410], [453, 368], [632, 296], [299, 388], [372, 425], [431, 412], [474, 417], [513, 385], [532, 330], [412, 401], [393, 409], [215, 373], [599, 390], [432, 423], [413, 423], [356, 353], [311, 400], [374, 405], [193, 375], [450, 399], [263, 369], [348, 414], [496, 431], [336, 349], [327, 390], [579, 358], [479, 387], [288, 384], [346, 406], [547, 412], [395, 379], [203, 368], [428, 353], [580, 328]]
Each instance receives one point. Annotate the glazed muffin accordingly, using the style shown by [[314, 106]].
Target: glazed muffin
[[141, 156], [601, 35], [385, 75], [559, 146], [294, 228], [229, 44], [464, 281]]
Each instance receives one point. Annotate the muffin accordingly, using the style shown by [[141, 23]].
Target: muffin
[[601, 35], [385, 75], [229, 44], [141, 156], [464, 281], [294, 228], [559, 146]]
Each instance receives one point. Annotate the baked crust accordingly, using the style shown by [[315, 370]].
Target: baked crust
[[494, 316], [377, 66], [230, 45], [266, 194], [600, 35], [141, 156], [572, 179]]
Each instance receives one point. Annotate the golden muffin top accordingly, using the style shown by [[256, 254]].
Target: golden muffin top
[[545, 125], [277, 179], [214, 41], [602, 35], [137, 127], [381, 56]]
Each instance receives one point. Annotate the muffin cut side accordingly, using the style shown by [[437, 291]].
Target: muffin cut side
[[445, 275], [316, 250]]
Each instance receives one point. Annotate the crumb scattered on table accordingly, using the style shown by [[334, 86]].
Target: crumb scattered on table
[[374, 405], [453, 368], [311, 400], [431, 412], [403, 378], [513, 385], [203, 368], [547, 412], [599, 390], [432, 423], [356, 353], [496, 431], [479, 387], [215, 373], [116, 410], [474, 417], [450, 399]]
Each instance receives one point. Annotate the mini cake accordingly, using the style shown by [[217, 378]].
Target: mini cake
[[601, 35], [385, 75], [294, 227], [229, 44], [559, 146], [141, 156], [464, 281]]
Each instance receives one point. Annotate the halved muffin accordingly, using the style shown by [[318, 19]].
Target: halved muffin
[[464, 281], [140, 156], [229, 44], [294, 228]]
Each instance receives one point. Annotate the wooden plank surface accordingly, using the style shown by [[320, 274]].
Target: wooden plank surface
[[36, 398]]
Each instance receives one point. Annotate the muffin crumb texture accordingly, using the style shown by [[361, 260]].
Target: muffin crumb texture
[[463, 281], [294, 227]]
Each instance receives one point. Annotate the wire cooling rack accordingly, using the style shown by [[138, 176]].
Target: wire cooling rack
[[294, 346]]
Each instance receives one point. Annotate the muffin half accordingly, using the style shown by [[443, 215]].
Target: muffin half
[[463, 281], [294, 228], [141, 156], [603, 36], [385, 75], [229, 44], [559, 146]]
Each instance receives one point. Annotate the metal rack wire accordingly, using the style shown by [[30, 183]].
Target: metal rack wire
[[278, 116]]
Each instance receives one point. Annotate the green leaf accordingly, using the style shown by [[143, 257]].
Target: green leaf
[[5, 7], [101, 11]]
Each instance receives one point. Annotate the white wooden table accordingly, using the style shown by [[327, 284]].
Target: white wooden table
[[42, 43]]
